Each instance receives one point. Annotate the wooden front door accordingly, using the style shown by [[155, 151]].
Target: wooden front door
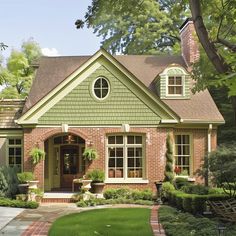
[[69, 165]]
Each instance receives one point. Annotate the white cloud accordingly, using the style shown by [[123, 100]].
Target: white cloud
[[50, 52]]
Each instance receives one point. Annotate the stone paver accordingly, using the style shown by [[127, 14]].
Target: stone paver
[[7, 214]]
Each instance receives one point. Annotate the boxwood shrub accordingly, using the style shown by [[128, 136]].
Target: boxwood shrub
[[193, 203], [18, 203]]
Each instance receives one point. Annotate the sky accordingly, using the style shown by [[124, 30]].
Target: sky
[[48, 22]]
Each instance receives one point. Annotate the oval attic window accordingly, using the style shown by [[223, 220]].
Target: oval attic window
[[101, 88]]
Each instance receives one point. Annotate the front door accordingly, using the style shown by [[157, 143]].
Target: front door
[[69, 165]]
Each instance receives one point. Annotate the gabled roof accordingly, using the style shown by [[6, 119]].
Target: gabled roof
[[53, 71], [10, 110]]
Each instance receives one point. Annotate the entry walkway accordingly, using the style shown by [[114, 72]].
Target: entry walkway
[[36, 222]]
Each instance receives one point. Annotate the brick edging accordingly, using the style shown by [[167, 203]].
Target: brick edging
[[157, 228]]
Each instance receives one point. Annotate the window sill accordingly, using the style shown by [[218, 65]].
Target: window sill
[[127, 181]]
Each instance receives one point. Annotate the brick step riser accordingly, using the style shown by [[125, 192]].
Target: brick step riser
[[57, 200]]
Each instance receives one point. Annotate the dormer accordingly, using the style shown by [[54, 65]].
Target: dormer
[[174, 83]]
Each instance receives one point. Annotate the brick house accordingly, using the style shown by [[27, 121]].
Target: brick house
[[123, 106]]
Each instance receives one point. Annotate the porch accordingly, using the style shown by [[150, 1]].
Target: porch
[[63, 163]]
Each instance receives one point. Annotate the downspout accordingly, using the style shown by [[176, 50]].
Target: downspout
[[209, 138], [207, 180]]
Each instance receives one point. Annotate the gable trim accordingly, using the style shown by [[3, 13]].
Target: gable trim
[[33, 114]]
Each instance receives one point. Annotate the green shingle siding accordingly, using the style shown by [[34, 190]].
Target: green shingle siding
[[79, 107]]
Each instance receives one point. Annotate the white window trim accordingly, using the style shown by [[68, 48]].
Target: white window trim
[[191, 160], [126, 179], [183, 74], [109, 88], [15, 145], [182, 85]]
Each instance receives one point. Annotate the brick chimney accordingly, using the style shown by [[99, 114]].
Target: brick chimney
[[189, 45]]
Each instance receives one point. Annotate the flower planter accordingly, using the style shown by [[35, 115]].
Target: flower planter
[[97, 188], [33, 184], [23, 188]]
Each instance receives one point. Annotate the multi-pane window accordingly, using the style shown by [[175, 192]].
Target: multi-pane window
[[182, 154], [125, 156], [15, 153], [101, 88], [175, 86]]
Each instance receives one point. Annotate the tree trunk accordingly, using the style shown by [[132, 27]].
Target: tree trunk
[[202, 34]]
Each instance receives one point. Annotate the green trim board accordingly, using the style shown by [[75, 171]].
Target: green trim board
[[101, 58]]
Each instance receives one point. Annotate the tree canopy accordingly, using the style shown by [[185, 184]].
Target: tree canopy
[[152, 27], [136, 26], [16, 77]]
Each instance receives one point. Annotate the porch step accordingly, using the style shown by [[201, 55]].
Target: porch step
[[57, 198]]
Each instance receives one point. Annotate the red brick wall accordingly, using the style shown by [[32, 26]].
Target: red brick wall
[[189, 45], [155, 148]]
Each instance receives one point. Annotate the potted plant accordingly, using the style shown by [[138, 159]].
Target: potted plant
[[97, 176], [24, 179], [37, 155], [90, 154]]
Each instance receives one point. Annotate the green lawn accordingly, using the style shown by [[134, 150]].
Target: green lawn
[[112, 222]]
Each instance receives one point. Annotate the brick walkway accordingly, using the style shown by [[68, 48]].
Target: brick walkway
[[156, 226], [37, 228]]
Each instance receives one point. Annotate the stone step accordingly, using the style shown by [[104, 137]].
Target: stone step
[[54, 197]]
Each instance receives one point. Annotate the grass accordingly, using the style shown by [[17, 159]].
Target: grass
[[177, 223], [112, 222]]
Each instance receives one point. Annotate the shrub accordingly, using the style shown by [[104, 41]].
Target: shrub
[[167, 187], [24, 177], [99, 201], [18, 203], [179, 182], [178, 223], [193, 203], [187, 203], [96, 175], [127, 193], [8, 181], [169, 173], [141, 195], [117, 193], [195, 189]]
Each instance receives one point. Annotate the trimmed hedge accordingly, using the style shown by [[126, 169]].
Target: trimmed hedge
[[127, 193], [193, 203], [99, 201], [18, 203]]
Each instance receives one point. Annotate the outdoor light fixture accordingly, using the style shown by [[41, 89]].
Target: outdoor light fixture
[[70, 138], [221, 230]]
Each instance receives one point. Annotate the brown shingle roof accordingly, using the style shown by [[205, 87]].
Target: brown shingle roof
[[53, 70], [10, 110], [199, 107]]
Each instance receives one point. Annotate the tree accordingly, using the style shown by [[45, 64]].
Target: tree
[[169, 173], [3, 46], [136, 26], [215, 26], [222, 165], [17, 76]]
